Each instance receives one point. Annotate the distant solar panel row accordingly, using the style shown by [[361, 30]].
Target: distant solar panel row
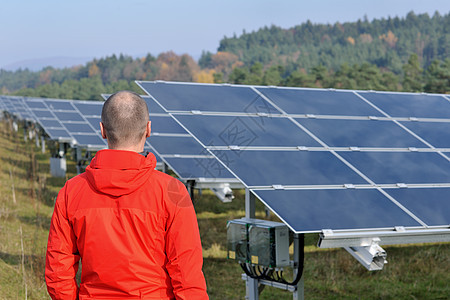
[[77, 122], [325, 159]]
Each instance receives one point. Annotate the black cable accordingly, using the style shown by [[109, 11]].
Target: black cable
[[246, 271], [270, 274], [301, 259]]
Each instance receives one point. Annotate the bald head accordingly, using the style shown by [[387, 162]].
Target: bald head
[[124, 118]]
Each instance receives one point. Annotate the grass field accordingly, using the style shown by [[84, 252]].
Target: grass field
[[27, 195]]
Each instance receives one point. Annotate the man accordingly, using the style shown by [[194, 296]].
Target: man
[[133, 227]]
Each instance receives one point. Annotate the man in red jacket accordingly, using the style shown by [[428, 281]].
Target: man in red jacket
[[133, 227]]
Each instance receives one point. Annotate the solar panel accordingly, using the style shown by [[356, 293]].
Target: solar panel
[[336, 209], [58, 105], [360, 133], [324, 159], [279, 167], [89, 108], [435, 133], [15, 106], [68, 116], [79, 127], [318, 102], [410, 105], [246, 131], [219, 98], [47, 120], [84, 134], [181, 145], [401, 167], [429, 204]]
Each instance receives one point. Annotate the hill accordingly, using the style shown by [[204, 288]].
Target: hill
[[386, 43]]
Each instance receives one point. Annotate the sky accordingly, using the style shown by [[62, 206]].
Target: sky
[[86, 29]]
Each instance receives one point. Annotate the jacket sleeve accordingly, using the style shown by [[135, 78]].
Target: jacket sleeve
[[183, 246], [61, 264]]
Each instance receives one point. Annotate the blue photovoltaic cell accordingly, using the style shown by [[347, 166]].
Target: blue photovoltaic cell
[[431, 205], [89, 109], [401, 167], [43, 114], [166, 125], [188, 97], [91, 140], [410, 105], [153, 107], [314, 210], [68, 116], [57, 133], [198, 168], [50, 123], [262, 168], [28, 116], [35, 104], [176, 145], [361, 133], [77, 127], [246, 131], [59, 105], [318, 102], [95, 122], [435, 133]]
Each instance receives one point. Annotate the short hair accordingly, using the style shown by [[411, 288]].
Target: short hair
[[124, 118]]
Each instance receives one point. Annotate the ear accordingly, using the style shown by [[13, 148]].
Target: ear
[[148, 130], [102, 130]]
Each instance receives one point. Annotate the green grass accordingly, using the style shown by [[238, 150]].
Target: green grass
[[413, 272]]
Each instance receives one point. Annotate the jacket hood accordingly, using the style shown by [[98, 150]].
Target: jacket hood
[[119, 172]]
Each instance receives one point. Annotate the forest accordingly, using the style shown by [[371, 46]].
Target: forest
[[396, 54]]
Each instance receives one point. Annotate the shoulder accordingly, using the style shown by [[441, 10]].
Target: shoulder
[[75, 184], [174, 189], [165, 179]]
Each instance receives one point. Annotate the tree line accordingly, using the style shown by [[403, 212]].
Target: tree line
[[386, 43]]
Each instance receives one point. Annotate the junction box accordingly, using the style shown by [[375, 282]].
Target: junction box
[[258, 242]]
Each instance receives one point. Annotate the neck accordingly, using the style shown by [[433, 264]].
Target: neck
[[135, 148]]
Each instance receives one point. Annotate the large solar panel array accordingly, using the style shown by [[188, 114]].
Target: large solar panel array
[[62, 118], [325, 159], [16, 106]]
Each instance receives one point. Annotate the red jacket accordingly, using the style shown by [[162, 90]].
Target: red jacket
[[134, 229]]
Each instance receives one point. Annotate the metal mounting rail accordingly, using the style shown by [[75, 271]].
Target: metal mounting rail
[[399, 235]]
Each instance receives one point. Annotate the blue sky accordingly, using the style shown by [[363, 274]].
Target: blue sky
[[31, 29]]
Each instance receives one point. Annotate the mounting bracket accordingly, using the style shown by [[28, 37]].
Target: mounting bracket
[[371, 256]]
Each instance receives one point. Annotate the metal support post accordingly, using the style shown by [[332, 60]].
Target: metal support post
[[37, 139], [298, 294], [42, 144], [249, 204], [78, 159], [191, 188], [251, 283], [62, 149]]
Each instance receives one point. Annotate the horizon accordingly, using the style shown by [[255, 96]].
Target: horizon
[[181, 29]]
